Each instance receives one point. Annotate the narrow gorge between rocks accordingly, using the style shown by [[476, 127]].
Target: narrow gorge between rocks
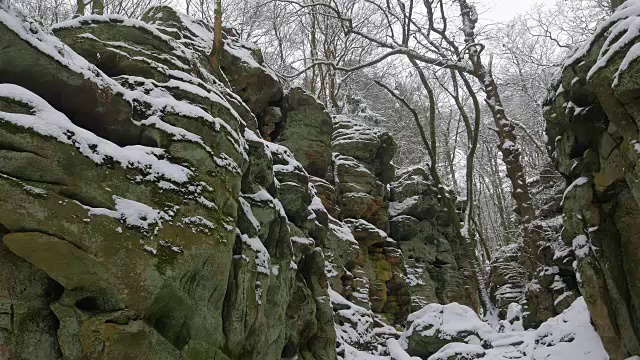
[[160, 202]]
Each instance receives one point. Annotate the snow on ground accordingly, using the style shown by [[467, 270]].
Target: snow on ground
[[569, 335], [360, 335], [445, 321]]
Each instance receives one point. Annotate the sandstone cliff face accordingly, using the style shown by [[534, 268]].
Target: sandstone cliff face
[[439, 271], [361, 155], [545, 283], [151, 209], [592, 128], [143, 215]]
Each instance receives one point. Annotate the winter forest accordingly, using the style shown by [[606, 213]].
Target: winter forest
[[320, 179]]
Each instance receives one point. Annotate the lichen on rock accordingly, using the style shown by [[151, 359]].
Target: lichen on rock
[[153, 206], [592, 126]]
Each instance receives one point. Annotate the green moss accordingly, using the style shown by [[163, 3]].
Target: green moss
[[82, 100], [115, 32], [13, 106]]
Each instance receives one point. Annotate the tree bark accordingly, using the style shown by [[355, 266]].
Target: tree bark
[[505, 129], [79, 8], [510, 151], [216, 50], [616, 3], [313, 47], [97, 7]]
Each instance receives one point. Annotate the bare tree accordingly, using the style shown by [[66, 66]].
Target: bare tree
[[97, 7], [428, 43], [216, 48], [47, 11], [131, 8]]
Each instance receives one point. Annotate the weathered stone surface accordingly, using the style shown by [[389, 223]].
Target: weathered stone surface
[[536, 271], [592, 126], [82, 101], [327, 194], [435, 326], [27, 324], [307, 131], [271, 120], [177, 247], [383, 264], [375, 278], [372, 147], [431, 245], [360, 194], [141, 269], [242, 64], [71, 267]]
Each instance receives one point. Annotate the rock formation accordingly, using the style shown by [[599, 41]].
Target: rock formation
[[144, 216], [536, 272], [153, 209], [439, 271], [592, 128], [453, 331]]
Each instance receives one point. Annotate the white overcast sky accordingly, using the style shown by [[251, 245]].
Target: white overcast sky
[[504, 10]]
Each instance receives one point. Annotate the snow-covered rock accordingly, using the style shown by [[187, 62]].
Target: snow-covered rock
[[462, 335], [592, 118]]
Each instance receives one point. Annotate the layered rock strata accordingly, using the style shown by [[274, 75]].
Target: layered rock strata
[[593, 119], [154, 208], [536, 272]]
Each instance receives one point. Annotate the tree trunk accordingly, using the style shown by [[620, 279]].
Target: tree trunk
[[508, 147], [216, 50], [79, 8], [313, 48], [511, 155], [615, 4], [97, 7]]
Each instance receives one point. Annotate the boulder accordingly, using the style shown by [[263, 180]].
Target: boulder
[[436, 326]]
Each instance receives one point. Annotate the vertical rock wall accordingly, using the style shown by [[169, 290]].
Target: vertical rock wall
[[439, 271], [593, 118], [143, 216], [545, 283], [152, 208]]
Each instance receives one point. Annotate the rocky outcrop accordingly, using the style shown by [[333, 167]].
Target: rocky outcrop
[[436, 326], [592, 128], [361, 169], [129, 205], [438, 268], [362, 172], [306, 130], [143, 216], [374, 276], [453, 331], [507, 278], [536, 272], [154, 208], [552, 285]]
